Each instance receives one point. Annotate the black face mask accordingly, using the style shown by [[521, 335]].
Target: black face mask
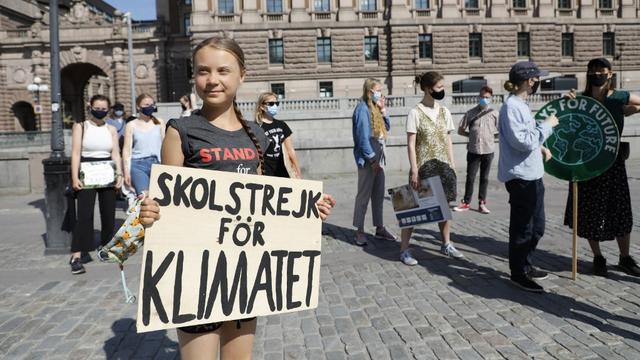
[[438, 95], [598, 79], [99, 114], [534, 88]]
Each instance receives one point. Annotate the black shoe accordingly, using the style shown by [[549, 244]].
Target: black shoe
[[527, 284], [628, 265], [76, 266], [600, 266], [85, 257], [535, 274]]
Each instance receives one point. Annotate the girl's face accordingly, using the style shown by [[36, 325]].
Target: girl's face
[[100, 105], [439, 86], [146, 102], [269, 101], [217, 76]]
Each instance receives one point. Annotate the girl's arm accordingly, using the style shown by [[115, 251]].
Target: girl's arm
[[452, 161], [76, 150], [171, 155], [126, 153], [291, 153], [411, 150], [115, 155], [633, 106]]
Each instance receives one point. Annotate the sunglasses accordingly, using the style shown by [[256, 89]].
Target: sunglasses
[[271, 103]]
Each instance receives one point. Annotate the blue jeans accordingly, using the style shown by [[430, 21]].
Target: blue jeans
[[141, 171]]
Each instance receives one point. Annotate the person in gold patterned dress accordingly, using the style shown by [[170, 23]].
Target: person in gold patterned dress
[[429, 128]]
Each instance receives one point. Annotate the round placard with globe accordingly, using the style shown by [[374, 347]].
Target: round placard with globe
[[585, 142]]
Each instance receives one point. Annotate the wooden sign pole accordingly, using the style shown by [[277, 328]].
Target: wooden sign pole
[[574, 262]]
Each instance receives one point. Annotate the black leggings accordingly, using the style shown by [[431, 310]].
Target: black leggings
[[206, 328], [83, 232]]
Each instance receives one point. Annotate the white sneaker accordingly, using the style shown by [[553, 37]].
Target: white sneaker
[[407, 259], [451, 251]]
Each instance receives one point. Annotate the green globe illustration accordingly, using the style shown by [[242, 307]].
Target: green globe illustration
[[577, 139]]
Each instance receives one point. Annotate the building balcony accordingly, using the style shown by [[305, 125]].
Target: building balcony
[[226, 18], [514, 12], [607, 12], [274, 17], [323, 15], [422, 13], [566, 12], [370, 15], [472, 12]]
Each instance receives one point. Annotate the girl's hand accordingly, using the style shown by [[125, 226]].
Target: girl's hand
[[127, 180], [415, 184], [149, 211], [546, 153], [118, 182], [324, 205], [76, 184], [571, 94]]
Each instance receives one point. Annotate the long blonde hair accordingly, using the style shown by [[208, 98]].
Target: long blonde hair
[[377, 121], [259, 114]]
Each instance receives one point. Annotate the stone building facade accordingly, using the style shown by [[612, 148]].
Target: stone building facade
[[320, 48], [93, 59]]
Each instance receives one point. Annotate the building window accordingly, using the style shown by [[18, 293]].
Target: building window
[[564, 4], [475, 45], [567, 44], [225, 7], [278, 89], [187, 24], [422, 4], [368, 5], [471, 4], [519, 4], [322, 5], [323, 49], [274, 6], [523, 45], [276, 51], [326, 89], [371, 48], [605, 4], [608, 44], [425, 46]]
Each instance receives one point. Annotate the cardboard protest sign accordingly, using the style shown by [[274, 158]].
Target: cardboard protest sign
[[585, 142], [427, 204], [228, 246]]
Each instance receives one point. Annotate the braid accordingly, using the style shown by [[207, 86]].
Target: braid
[[249, 132]]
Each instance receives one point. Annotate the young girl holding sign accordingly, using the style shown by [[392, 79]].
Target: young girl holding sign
[[219, 71], [604, 202]]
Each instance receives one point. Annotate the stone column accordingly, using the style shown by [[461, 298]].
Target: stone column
[[346, 12], [250, 12]]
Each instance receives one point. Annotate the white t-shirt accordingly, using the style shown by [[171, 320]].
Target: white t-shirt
[[413, 120]]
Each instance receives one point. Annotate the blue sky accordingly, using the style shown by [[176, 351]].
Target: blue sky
[[141, 9]]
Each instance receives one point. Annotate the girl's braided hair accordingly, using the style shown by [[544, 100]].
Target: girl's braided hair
[[232, 47]]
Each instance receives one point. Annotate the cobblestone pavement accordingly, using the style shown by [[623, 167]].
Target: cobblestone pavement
[[371, 305]]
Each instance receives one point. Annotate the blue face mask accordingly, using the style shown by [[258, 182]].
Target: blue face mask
[[148, 110], [272, 110], [485, 101], [118, 113], [377, 95]]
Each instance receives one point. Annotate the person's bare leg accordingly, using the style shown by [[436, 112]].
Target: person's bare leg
[[405, 236], [595, 247], [199, 346], [624, 244], [445, 231], [237, 344]]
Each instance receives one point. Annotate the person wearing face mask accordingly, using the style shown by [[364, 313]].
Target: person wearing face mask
[[520, 167], [370, 124], [119, 123], [430, 150], [280, 150], [604, 202], [480, 125], [142, 142], [93, 140]]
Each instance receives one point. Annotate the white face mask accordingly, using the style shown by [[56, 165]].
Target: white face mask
[[375, 97], [272, 110]]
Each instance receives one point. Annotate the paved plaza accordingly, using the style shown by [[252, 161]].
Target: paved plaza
[[371, 305]]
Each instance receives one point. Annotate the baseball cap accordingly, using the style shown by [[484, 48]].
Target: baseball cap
[[525, 70], [599, 62]]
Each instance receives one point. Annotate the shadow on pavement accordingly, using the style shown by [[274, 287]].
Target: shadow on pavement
[[489, 283], [126, 343]]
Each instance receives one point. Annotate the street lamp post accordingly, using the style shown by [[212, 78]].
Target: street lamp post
[[132, 77], [36, 88], [57, 166]]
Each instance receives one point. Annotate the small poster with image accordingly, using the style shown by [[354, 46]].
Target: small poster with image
[[426, 205]]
